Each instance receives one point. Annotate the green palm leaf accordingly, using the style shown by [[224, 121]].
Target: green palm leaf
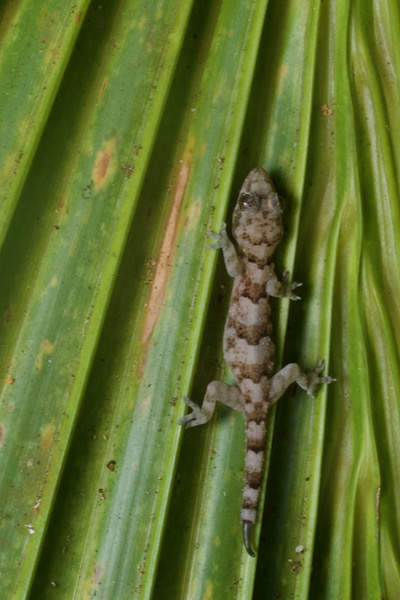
[[127, 129]]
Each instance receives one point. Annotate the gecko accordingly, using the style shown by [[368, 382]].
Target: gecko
[[248, 345]]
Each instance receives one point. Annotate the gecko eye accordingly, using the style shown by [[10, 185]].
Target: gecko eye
[[249, 202]]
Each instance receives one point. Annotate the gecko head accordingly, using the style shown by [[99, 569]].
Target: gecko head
[[257, 222]]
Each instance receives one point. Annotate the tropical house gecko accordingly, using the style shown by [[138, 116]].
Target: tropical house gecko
[[248, 345]]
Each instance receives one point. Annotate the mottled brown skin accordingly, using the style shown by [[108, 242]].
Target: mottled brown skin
[[248, 345]]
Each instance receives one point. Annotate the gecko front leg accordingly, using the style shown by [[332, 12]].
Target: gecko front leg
[[217, 391], [232, 261], [282, 289]]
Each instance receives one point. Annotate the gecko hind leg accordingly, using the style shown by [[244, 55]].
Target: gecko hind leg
[[293, 373], [217, 391]]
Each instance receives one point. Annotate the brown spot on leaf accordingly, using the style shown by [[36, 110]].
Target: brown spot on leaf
[[62, 207], [104, 167], [47, 436], [127, 169], [165, 259], [296, 566], [326, 111], [46, 348], [103, 89]]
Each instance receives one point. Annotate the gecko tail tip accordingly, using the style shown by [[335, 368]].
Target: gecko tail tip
[[247, 539]]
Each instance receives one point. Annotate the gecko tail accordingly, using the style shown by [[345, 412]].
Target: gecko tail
[[247, 538]]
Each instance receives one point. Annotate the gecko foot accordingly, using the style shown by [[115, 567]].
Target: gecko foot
[[282, 289], [221, 238], [314, 379], [247, 538], [196, 417]]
